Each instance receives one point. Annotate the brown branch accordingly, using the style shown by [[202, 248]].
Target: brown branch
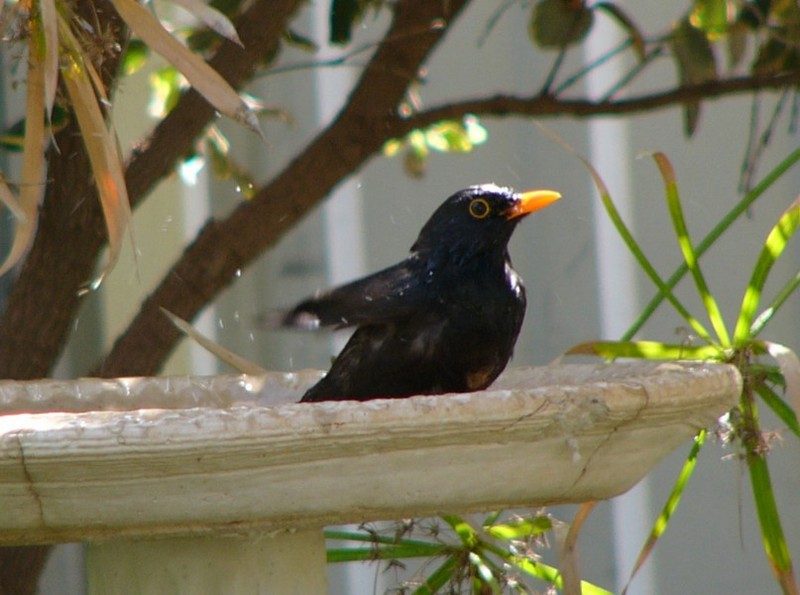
[[547, 106], [210, 263]]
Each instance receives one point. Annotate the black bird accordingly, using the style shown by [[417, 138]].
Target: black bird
[[443, 320]]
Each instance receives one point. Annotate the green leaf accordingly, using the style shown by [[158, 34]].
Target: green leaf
[[438, 578], [485, 572], [780, 298], [653, 350], [662, 522], [710, 16], [724, 224], [779, 407], [558, 24], [695, 63], [520, 529], [685, 243], [386, 552], [627, 236], [465, 531], [775, 545], [135, 56], [774, 246]]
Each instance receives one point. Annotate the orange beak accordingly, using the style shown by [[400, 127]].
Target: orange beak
[[531, 201]]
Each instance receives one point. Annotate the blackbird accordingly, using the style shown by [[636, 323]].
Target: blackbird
[[445, 319]]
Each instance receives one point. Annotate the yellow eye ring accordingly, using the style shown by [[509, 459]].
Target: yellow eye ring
[[479, 208]]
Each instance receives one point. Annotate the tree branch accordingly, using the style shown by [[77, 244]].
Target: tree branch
[[210, 263], [547, 106]]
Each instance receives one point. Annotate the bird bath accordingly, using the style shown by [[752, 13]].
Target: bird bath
[[224, 480]]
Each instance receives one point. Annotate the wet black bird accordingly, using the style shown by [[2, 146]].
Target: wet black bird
[[443, 320]]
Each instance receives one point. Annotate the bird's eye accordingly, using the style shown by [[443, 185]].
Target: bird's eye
[[479, 208]]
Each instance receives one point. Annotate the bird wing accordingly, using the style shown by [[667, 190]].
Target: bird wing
[[386, 295]]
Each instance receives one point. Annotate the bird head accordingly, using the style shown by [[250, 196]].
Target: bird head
[[480, 218]]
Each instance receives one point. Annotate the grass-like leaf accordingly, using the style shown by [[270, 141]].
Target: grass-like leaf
[[438, 578], [627, 236], [720, 228], [520, 529], [685, 243], [539, 570], [780, 298], [647, 350], [779, 407], [669, 506], [775, 244], [775, 544], [465, 531], [387, 552]]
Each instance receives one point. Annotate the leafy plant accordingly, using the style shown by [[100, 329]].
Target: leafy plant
[[770, 371], [492, 557]]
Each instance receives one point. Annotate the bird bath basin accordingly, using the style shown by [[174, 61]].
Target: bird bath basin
[[225, 478]]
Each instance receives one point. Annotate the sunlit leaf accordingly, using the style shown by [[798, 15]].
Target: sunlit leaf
[[520, 529], [166, 90], [485, 572], [775, 244], [627, 23], [207, 81], [135, 56], [463, 529], [647, 350], [685, 243], [557, 24], [669, 506], [212, 18], [792, 285], [711, 16], [695, 63]]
